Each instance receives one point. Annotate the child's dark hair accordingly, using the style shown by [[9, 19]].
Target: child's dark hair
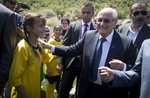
[[30, 20], [65, 19], [57, 26]]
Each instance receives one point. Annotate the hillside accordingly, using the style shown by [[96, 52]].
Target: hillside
[[71, 8]]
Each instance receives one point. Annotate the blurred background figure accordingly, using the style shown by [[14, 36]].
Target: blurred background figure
[[11, 4], [47, 34], [65, 24], [126, 21], [21, 6], [14, 6]]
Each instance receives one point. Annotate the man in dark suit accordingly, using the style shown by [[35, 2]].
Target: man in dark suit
[[138, 31], [140, 72], [117, 53], [72, 66], [7, 42]]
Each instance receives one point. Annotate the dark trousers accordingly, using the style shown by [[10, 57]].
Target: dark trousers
[[68, 78], [95, 91], [104, 91], [134, 92], [54, 79]]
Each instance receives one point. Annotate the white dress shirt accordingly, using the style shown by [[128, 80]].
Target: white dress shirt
[[83, 27], [133, 34]]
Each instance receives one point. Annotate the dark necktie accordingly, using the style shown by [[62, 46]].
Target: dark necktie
[[96, 60], [85, 28]]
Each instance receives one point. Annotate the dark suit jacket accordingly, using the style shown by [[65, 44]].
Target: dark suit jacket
[[72, 35], [121, 48], [143, 34], [141, 70], [8, 37]]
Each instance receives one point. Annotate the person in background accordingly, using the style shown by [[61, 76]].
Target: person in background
[[138, 31], [11, 4], [8, 41], [72, 66], [52, 75], [24, 75], [101, 47], [47, 33], [65, 22]]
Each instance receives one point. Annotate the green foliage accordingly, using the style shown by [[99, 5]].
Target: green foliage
[[71, 8], [64, 7]]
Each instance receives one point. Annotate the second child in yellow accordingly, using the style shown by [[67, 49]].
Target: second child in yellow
[[52, 75]]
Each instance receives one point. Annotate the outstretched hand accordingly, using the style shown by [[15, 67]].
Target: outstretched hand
[[44, 44]]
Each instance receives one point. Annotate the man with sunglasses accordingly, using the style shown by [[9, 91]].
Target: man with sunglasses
[[138, 31], [101, 47], [72, 65]]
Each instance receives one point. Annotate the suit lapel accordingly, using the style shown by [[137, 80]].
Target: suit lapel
[[112, 50], [93, 46], [92, 26], [80, 26], [141, 34]]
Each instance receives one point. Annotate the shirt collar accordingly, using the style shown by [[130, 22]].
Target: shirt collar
[[109, 37], [87, 23], [136, 30]]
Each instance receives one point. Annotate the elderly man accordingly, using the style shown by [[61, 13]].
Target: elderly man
[[101, 47]]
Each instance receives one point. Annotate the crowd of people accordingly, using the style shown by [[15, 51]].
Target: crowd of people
[[107, 60]]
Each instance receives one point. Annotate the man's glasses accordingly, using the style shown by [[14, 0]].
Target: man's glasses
[[136, 13], [105, 20]]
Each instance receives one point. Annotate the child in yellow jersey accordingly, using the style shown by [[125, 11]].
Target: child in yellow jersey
[[51, 74], [24, 73]]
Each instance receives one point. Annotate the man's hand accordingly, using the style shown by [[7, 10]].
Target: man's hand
[[106, 74], [44, 44], [116, 64]]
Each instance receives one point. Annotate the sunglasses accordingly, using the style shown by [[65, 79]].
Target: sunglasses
[[105, 20], [136, 13]]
